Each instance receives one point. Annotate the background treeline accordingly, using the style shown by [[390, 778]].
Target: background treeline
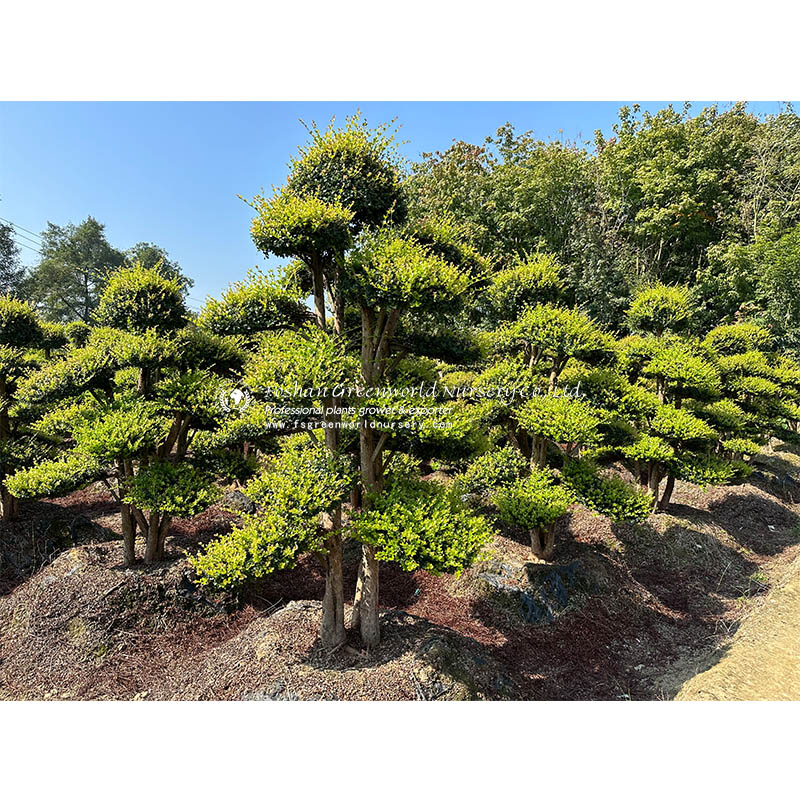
[[612, 290], [72, 265], [711, 200]]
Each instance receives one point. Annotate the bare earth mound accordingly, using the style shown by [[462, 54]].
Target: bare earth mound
[[624, 612]]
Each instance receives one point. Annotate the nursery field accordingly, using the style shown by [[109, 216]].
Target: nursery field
[[516, 421], [651, 606]]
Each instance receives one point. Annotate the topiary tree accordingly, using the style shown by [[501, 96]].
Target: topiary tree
[[390, 275], [136, 393], [535, 504], [559, 420], [20, 331], [660, 309], [549, 336]]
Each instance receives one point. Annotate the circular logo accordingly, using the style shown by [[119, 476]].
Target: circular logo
[[237, 399]]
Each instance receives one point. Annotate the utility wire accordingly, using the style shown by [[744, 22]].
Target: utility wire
[[3, 219], [22, 244]]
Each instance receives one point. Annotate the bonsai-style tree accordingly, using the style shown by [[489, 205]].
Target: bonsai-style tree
[[20, 332], [344, 180], [660, 309], [535, 504], [548, 336], [390, 275], [134, 396]]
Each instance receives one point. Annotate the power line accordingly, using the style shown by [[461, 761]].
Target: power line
[[22, 244], [3, 219], [26, 238]]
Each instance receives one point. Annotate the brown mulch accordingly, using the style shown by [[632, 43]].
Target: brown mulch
[[652, 605]]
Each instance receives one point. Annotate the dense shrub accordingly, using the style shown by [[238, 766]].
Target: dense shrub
[[492, 470], [609, 495]]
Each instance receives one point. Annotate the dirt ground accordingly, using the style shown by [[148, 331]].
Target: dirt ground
[[762, 661], [626, 612]]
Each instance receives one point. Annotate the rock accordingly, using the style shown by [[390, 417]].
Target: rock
[[237, 501], [450, 671]]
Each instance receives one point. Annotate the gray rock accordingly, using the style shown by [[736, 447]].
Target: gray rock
[[237, 501]]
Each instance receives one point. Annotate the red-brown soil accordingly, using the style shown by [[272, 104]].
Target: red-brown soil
[[651, 605]]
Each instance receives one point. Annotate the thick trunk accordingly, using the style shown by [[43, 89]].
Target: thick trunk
[[151, 551], [654, 479], [163, 529], [365, 603], [145, 380], [543, 541], [369, 620], [663, 504], [332, 632], [128, 536], [9, 504], [355, 616]]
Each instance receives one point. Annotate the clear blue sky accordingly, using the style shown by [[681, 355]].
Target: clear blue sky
[[170, 173]]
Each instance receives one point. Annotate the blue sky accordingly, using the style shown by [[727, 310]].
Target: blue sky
[[170, 173]]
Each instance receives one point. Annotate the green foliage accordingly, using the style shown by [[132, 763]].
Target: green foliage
[[492, 470], [290, 225], [259, 546], [724, 415], [139, 299], [609, 495], [125, 432], [682, 373], [393, 272], [677, 425], [179, 490], [75, 263], [557, 334], [659, 308], [534, 280], [307, 359], [53, 336], [91, 367], [355, 167], [253, 306], [708, 469], [650, 449], [19, 326], [741, 446], [444, 237], [728, 340], [534, 503], [759, 281], [422, 525], [561, 419], [55, 478], [77, 332], [302, 481]]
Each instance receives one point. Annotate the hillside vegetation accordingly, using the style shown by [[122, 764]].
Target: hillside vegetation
[[515, 421]]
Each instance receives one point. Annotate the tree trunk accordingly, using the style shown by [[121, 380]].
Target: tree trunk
[[654, 479], [151, 548], [332, 631], [663, 504], [543, 542], [163, 530], [128, 536], [368, 606]]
